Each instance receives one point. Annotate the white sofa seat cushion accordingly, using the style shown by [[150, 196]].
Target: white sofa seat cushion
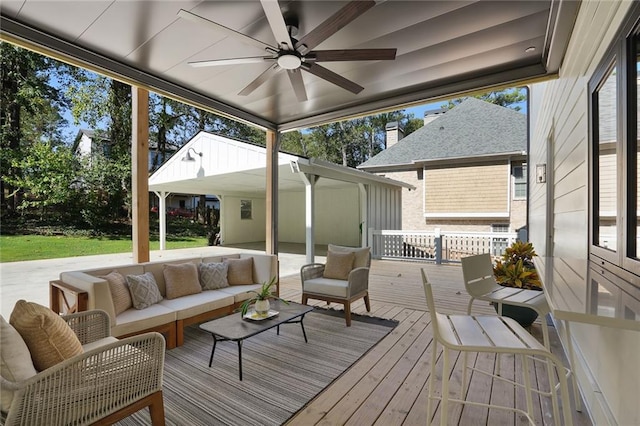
[[241, 293], [136, 320], [327, 286], [99, 343], [199, 303]]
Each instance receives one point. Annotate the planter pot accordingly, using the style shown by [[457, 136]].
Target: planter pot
[[262, 307], [523, 315]]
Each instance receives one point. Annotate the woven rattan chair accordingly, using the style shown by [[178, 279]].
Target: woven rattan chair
[[490, 334], [101, 386], [356, 286]]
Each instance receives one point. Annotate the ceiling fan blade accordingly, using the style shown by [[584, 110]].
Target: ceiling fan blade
[[277, 24], [351, 55], [228, 31], [332, 77], [232, 61], [268, 73], [333, 24], [295, 76]]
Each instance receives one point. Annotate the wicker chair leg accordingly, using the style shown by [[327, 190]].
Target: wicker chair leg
[[367, 303], [347, 313]]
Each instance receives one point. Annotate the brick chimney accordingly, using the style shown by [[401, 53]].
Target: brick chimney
[[394, 133], [432, 114]]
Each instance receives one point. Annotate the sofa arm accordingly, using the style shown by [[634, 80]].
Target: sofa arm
[[311, 271], [91, 386], [89, 326], [358, 280], [98, 293]]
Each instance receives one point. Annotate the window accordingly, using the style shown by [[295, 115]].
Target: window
[[615, 152], [500, 227], [245, 209], [520, 182]]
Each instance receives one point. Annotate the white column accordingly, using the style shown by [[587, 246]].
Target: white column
[[364, 218], [309, 208], [162, 217]]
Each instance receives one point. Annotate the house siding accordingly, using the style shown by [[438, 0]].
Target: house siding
[[467, 190], [607, 358]]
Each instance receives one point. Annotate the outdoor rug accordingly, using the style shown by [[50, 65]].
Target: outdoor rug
[[281, 374]]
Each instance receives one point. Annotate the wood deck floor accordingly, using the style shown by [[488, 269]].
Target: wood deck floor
[[388, 386]]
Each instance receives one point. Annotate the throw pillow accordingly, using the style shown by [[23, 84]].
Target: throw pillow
[[362, 254], [240, 271], [49, 338], [338, 265], [181, 280], [144, 290], [213, 275], [119, 291], [15, 361]]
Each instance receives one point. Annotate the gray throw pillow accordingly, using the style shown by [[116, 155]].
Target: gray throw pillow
[[213, 275], [144, 290]]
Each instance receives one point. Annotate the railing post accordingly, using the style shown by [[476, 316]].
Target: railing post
[[371, 243], [438, 246]]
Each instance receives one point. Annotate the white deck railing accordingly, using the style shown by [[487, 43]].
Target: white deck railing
[[438, 247]]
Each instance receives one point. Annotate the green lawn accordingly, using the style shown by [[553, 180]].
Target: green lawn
[[34, 247]]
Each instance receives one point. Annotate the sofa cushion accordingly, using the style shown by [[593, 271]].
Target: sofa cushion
[[119, 291], [196, 304], [338, 265], [137, 320], [49, 338], [181, 280], [99, 343], [362, 258], [144, 290], [213, 275], [241, 292], [15, 361], [240, 271]]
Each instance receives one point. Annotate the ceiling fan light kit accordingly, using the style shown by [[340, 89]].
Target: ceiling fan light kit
[[294, 55]]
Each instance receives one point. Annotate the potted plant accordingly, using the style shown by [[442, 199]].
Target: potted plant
[[261, 299], [516, 269]]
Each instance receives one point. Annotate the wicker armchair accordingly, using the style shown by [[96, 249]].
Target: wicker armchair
[[101, 386], [316, 286]]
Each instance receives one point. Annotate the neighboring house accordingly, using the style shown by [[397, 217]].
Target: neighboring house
[[88, 143], [469, 165]]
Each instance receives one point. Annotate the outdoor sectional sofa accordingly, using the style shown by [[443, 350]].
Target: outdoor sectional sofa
[[171, 314]]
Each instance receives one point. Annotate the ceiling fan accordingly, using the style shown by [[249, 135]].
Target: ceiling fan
[[296, 55]]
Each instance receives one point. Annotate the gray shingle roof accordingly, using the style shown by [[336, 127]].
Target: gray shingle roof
[[473, 128]]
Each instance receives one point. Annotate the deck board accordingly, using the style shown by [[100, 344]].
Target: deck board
[[388, 386]]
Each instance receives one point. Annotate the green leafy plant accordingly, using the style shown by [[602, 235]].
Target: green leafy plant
[[516, 268], [265, 293], [520, 251]]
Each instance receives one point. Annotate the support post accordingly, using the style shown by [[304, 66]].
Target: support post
[[140, 173], [438, 246], [273, 145], [309, 214], [162, 217]]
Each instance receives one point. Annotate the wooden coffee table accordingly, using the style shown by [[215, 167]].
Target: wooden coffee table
[[235, 328]]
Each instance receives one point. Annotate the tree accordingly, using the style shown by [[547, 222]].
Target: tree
[[509, 98], [29, 112], [47, 179]]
